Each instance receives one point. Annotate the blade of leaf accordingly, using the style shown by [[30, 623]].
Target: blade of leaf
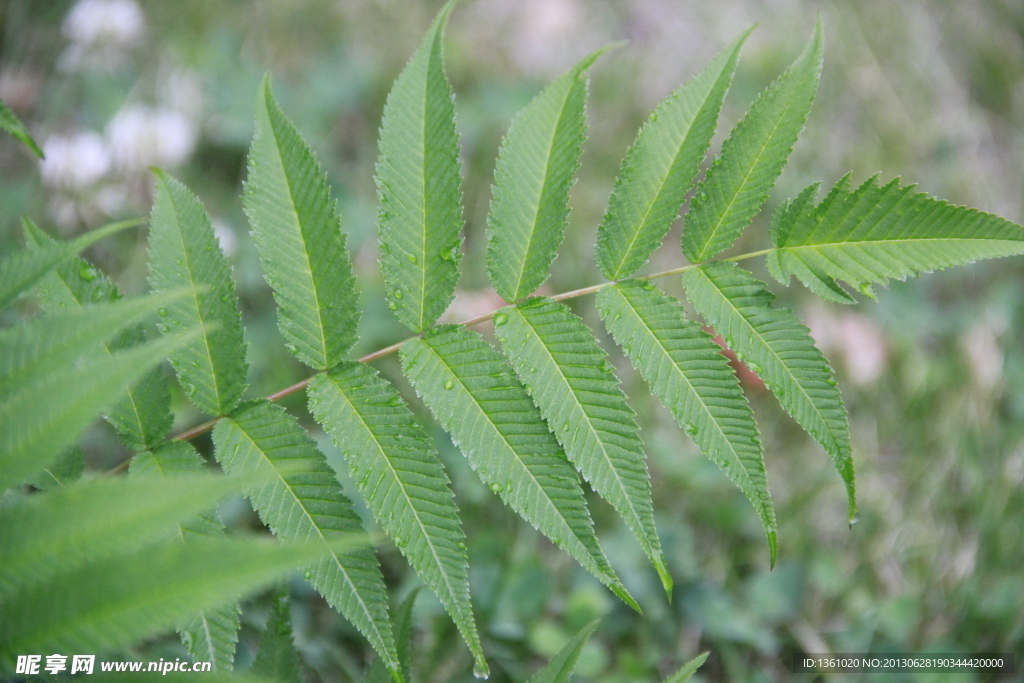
[[43, 417], [13, 125], [303, 501], [419, 187], [568, 375], [738, 183], [686, 673], [688, 373], [211, 635], [659, 168], [778, 347], [276, 658], [93, 524], [560, 668], [143, 418], [402, 482], [65, 470], [298, 234], [100, 608], [470, 389], [184, 252], [876, 233], [534, 172], [23, 269]]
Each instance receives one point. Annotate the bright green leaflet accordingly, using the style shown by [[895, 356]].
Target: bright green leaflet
[[276, 658], [212, 634], [184, 252], [44, 415], [570, 379], [143, 418], [419, 187], [94, 525], [686, 370], [101, 608], [23, 269], [304, 501], [536, 165], [778, 347], [875, 233], [13, 125], [298, 234], [471, 390], [738, 183], [686, 672], [659, 168], [402, 481], [559, 669]]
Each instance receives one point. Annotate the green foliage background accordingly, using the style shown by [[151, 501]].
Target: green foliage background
[[933, 375]]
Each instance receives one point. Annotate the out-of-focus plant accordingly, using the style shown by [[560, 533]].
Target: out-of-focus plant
[[531, 418]]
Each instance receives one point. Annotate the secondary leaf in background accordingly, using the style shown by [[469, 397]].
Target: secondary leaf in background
[[875, 233], [534, 172], [686, 672], [276, 657], [65, 470], [44, 415], [402, 482], [471, 390], [298, 234], [570, 379], [143, 417], [13, 125], [738, 182], [184, 252], [93, 524], [418, 186], [23, 269], [377, 673], [686, 370], [778, 347], [101, 608], [303, 501], [212, 634], [659, 168], [559, 669]]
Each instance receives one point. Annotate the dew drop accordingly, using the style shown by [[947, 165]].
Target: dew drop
[[648, 285], [831, 382], [854, 520], [412, 258], [87, 272], [497, 488], [399, 293], [690, 429], [449, 384], [754, 367], [392, 305], [308, 575], [480, 672], [384, 248], [500, 319], [532, 369], [161, 328], [451, 254], [162, 312]]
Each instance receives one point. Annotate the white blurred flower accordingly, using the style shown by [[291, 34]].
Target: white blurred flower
[[141, 137], [75, 162], [101, 32], [226, 236]]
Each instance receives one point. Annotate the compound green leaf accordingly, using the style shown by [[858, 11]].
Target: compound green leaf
[[303, 501], [419, 187], [23, 269], [184, 252], [778, 347], [298, 234], [738, 183], [13, 125], [659, 168], [43, 415], [570, 379], [874, 233], [143, 417], [402, 481], [560, 668], [686, 370], [536, 165], [471, 390], [211, 635], [100, 608]]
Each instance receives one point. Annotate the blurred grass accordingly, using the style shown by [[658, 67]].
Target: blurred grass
[[933, 374]]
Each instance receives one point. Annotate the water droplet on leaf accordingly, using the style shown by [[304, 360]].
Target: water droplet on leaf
[[449, 384], [500, 319]]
